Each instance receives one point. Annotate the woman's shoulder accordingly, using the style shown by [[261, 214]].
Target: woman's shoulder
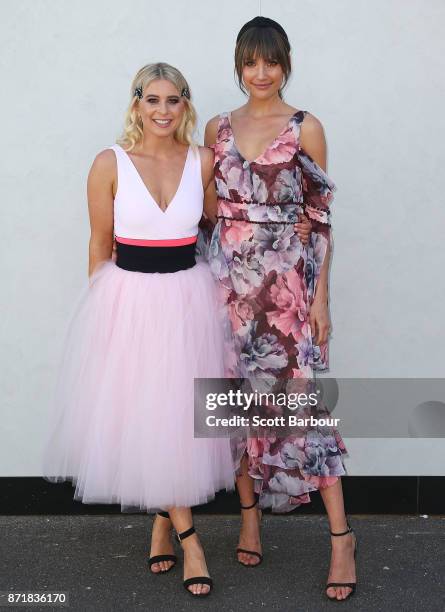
[[214, 121], [312, 141], [309, 122], [105, 162], [211, 129], [311, 130], [107, 155]]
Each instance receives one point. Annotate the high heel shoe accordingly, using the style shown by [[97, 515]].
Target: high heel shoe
[[196, 579], [250, 552], [351, 585], [159, 558]]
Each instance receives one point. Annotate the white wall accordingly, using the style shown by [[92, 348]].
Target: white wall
[[373, 72]]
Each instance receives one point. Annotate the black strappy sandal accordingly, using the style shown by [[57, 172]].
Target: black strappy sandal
[[196, 579], [158, 558], [351, 585], [250, 552]]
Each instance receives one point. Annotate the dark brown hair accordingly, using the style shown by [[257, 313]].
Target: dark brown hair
[[265, 39]]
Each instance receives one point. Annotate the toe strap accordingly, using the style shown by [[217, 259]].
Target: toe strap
[[159, 558], [198, 580], [351, 585], [249, 552]]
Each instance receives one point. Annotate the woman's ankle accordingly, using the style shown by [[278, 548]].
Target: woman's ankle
[[249, 503], [192, 543], [163, 524]]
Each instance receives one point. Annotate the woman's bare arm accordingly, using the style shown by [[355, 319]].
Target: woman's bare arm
[[210, 197], [211, 132], [313, 141], [208, 184], [101, 188]]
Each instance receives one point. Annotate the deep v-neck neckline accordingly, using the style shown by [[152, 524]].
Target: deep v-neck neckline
[[253, 161], [147, 190]]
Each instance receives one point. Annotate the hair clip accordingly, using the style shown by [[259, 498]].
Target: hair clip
[[138, 92], [186, 93]]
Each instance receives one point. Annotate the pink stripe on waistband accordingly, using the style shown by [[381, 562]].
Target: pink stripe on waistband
[[168, 242]]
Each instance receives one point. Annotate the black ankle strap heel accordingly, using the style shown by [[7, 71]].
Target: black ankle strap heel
[[244, 550], [158, 558], [348, 530], [249, 507], [185, 534], [351, 585], [196, 579]]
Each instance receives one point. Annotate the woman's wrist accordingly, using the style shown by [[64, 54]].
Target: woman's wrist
[[321, 295]]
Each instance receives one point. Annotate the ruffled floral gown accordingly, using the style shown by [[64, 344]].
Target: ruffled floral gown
[[268, 280]]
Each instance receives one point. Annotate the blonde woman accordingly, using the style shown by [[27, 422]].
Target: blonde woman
[[143, 329]]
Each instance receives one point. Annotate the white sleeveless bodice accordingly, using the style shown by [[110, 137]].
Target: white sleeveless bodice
[[137, 216]]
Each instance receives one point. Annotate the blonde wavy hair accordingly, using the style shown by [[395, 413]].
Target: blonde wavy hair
[[133, 132]]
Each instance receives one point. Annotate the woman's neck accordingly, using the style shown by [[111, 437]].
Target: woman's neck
[[152, 145], [262, 108]]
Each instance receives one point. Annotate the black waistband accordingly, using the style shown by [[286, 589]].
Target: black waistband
[[155, 259]]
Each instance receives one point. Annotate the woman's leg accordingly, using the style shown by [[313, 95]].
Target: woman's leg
[[342, 567], [161, 543], [250, 519], [194, 559]]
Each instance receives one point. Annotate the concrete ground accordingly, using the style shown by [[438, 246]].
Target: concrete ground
[[101, 562]]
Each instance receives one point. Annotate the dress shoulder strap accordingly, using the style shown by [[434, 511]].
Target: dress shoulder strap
[[296, 121], [115, 148], [223, 124], [120, 155], [121, 163], [195, 156]]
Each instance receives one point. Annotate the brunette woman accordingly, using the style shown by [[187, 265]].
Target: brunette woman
[[270, 166]]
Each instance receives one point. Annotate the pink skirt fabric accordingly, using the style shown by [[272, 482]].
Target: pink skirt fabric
[[121, 427]]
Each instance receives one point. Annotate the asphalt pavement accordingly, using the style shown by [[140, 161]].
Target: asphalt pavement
[[101, 562]]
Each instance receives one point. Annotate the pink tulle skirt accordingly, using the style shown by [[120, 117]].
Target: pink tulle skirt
[[121, 426]]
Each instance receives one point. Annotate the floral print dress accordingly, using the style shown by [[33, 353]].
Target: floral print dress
[[268, 280]]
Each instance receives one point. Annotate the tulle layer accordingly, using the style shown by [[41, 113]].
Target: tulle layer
[[121, 428]]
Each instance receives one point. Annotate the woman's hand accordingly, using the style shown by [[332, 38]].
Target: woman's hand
[[319, 320], [303, 228]]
